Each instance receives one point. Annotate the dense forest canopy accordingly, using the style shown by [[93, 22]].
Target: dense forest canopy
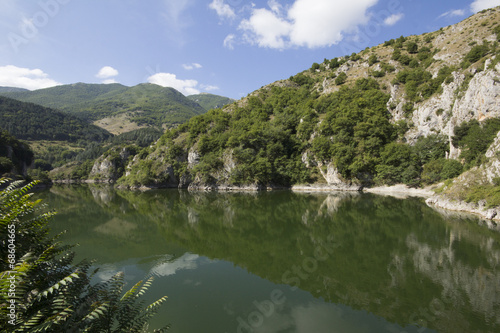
[[29, 121], [15, 156]]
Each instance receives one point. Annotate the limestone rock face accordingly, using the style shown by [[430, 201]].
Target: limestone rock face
[[442, 113], [481, 100], [193, 158], [334, 179], [229, 162], [110, 166], [331, 175], [494, 148], [104, 169]]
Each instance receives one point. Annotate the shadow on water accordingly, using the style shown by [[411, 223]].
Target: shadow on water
[[354, 257]]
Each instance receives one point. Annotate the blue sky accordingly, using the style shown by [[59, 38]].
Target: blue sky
[[225, 47]]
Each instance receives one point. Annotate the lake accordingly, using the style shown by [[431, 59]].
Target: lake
[[289, 262]]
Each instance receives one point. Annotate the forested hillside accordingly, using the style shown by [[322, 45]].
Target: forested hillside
[[29, 121], [404, 111], [148, 104], [210, 101], [11, 89], [116, 107], [60, 97]]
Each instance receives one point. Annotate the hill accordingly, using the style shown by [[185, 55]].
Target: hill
[[11, 89], [115, 107], [416, 110], [210, 101], [143, 105], [29, 121], [60, 97]]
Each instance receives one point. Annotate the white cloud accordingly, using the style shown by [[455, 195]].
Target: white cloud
[[321, 22], [209, 87], [393, 19], [186, 87], [266, 29], [275, 6], [452, 13], [107, 72], [309, 23], [479, 5], [187, 261], [32, 79], [109, 81], [222, 9], [229, 41], [191, 66]]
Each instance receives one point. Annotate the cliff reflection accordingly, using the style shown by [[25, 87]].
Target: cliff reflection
[[391, 257]]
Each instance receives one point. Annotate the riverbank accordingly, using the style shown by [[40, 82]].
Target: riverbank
[[480, 208], [399, 191], [402, 191]]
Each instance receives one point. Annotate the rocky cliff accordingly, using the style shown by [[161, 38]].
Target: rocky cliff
[[456, 195], [110, 166], [347, 123]]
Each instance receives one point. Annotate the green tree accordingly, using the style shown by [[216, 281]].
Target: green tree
[[315, 66], [474, 138], [431, 147], [48, 292], [476, 53], [441, 169], [341, 79], [398, 164], [6, 165], [412, 47], [396, 54], [372, 59]]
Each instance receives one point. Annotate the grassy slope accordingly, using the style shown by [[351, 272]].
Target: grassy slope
[[210, 101]]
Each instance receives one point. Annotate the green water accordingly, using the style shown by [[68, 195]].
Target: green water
[[290, 262]]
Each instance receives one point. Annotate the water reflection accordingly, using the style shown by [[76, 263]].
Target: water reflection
[[341, 260]]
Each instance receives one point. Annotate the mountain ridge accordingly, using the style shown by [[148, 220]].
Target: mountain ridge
[[11, 89], [127, 108]]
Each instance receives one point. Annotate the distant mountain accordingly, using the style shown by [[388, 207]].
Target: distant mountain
[[116, 107], [28, 121], [210, 101], [11, 89], [144, 104], [61, 97]]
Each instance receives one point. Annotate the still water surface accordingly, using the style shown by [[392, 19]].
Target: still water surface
[[289, 262]]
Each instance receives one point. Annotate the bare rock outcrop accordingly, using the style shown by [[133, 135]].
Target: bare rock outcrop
[[110, 166]]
